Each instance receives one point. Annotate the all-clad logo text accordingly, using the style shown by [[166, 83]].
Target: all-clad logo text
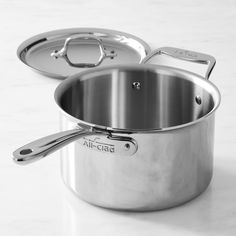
[[185, 53], [97, 145]]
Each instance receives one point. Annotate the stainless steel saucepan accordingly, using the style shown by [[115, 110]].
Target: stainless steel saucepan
[[140, 137]]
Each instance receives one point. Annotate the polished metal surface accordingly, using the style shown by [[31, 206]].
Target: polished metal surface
[[185, 55], [169, 168], [167, 111], [62, 53], [165, 99], [173, 130], [36, 51]]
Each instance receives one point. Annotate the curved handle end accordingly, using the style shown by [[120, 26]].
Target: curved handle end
[[19, 160], [24, 156]]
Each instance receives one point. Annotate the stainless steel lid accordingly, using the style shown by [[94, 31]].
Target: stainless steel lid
[[62, 53]]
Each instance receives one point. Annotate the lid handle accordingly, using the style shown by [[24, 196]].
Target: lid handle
[[185, 55], [62, 53]]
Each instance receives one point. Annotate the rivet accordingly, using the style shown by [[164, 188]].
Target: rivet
[[198, 100], [136, 85]]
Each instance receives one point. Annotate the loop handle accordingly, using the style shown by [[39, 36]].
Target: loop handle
[[185, 55], [62, 53]]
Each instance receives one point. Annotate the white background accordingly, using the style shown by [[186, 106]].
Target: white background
[[33, 200]]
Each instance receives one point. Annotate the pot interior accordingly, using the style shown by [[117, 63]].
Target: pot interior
[[137, 97]]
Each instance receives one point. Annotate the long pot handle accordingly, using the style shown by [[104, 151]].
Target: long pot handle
[[121, 145], [185, 55], [42, 147], [62, 53]]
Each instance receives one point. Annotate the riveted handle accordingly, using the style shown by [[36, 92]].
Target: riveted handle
[[98, 140], [62, 53], [185, 55]]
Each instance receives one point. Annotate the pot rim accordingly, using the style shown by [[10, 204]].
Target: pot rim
[[193, 77]]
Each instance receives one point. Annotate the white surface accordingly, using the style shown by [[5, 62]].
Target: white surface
[[33, 200]]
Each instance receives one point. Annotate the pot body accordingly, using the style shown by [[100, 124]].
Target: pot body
[[168, 169], [145, 140]]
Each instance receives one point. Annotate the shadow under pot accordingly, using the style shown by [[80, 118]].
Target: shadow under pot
[[140, 137]]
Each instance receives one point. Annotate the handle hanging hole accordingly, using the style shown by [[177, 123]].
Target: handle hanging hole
[[26, 151]]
